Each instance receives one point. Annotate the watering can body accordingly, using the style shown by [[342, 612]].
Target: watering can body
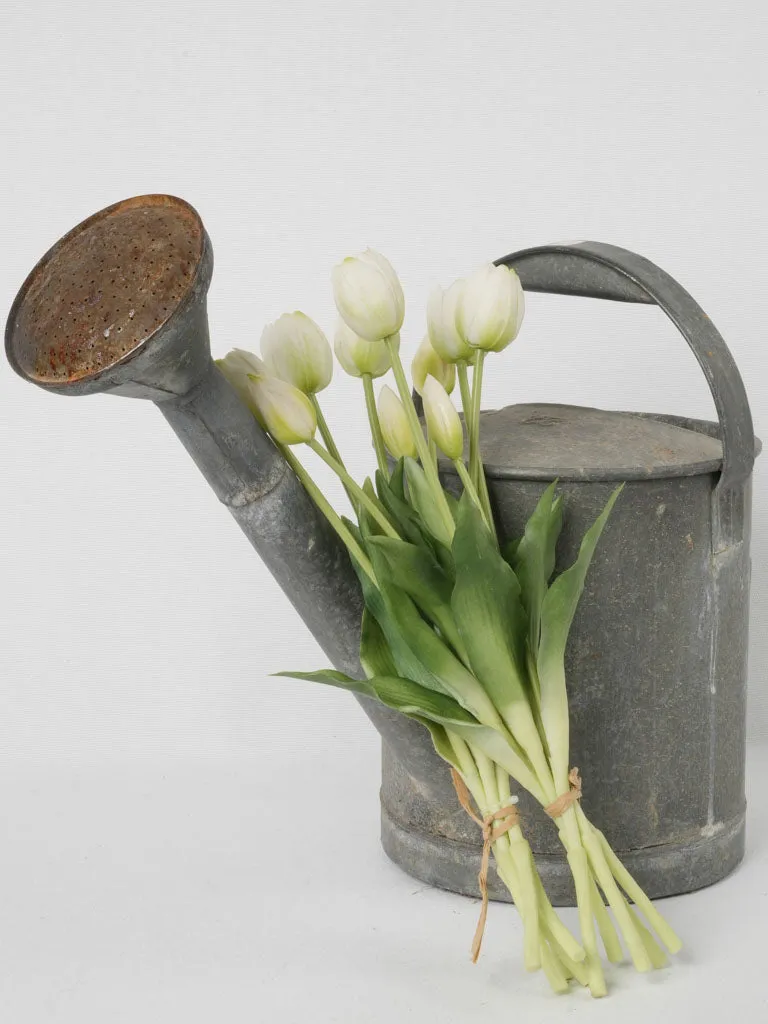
[[657, 659]]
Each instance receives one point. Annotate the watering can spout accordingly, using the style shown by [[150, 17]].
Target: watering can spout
[[119, 305]]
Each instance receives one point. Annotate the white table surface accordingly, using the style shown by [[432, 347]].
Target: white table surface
[[185, 891]]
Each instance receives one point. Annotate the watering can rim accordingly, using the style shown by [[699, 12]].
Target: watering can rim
[[196, 282]]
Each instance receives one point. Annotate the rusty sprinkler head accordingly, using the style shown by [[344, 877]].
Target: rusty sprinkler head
[[118, 304]]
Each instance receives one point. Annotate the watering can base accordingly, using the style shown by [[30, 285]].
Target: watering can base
[[666, 870]]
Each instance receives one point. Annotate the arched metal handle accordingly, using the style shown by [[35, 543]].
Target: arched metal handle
[[609, 272]]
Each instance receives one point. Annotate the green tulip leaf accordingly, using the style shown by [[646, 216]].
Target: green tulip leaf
[[440, 742], [419, 653], [401, 695], [493, 625], [509, 551], [417, 701], [534, 560], [559, 607], [375, 655], [397, 480], [487, 607], [330, 677], [423, 503], [400, 512], [414, 570]]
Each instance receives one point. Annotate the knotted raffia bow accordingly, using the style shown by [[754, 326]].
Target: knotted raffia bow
[[561, 804], [497, 824], [493, 826]]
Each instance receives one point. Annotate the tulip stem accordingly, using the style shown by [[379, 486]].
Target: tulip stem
[[330, 444], [472, 418], [368, 504], [485, 497], [373, 419], [466, 394], [329, 512], [467, 407], [471, 490], [474, 415], [430, 470], [325, 430]]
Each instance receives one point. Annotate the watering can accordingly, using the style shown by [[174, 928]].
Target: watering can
[[657, 660]]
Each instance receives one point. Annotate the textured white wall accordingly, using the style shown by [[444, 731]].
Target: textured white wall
[[136, 622]]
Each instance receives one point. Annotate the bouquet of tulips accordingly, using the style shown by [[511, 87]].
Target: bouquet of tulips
[[462, 633]]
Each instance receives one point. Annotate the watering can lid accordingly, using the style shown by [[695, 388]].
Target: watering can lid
[[542, 442]]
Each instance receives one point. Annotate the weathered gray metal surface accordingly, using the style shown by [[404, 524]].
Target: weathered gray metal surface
[[656, 670], [657, 665], [120, 269], [657, 659]]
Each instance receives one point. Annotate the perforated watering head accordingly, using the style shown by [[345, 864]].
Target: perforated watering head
[[118, 304]]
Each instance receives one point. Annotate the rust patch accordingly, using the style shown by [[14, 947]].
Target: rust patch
[[106, 287], [664, 454]]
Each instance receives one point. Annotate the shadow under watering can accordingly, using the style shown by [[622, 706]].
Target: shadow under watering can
[[657, 660]]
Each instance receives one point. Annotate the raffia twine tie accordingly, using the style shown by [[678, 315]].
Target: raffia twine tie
[[561, 804], [493, 826]]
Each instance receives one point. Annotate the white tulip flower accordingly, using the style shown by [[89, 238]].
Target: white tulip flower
[[427, 363], [368, 295], [285, 411], [236, 366], [395, 427], [296, 350], [358, 356], [442, 325], [443, 423], [491, 308]]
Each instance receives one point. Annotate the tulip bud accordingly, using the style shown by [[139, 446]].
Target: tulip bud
[[444, 334], [358, 356], [236, 366], [296, 350], [427, 363], [285, 411], [443, 423], [395, 427], [368, 295], [491, 308]]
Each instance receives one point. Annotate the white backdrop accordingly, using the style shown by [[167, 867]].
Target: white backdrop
[[137, 624]]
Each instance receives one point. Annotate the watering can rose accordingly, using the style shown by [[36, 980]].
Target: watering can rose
[[368, 295], [296, 350]]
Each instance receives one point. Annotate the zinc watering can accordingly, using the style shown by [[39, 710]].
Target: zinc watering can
[[657, 660]]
